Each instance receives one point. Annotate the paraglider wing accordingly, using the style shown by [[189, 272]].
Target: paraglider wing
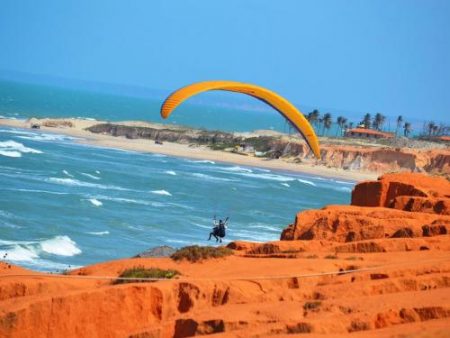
[[276, 101]]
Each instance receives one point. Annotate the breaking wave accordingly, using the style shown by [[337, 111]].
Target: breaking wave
[[15, 149], [161, 192]]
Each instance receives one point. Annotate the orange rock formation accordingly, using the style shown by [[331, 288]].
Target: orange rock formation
[[369, 271]]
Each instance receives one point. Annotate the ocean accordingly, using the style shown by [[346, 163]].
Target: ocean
[[64, 204]]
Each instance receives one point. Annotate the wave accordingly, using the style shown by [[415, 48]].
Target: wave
[[61, 246], [120, 200], [285, 184], [264, 227], [271, 177], [98, 233], [86, 118], [45, 137], [306, 182], [345, 182], [29, 250], [97, 172], [15, 149], [8, 153], [76, 183], [236, 169], [40, 191], [95, 202], [212, 178], [65, 172], [161, 192], [19, 253], [170, 172], [202, 161], [90, 176]]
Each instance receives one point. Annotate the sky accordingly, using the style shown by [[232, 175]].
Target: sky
[[387, 56]]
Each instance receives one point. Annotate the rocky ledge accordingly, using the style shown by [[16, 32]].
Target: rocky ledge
[[377, 268]]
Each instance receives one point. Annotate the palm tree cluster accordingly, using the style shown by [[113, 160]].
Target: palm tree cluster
[[320, 123], [323, 123], [432, 129]]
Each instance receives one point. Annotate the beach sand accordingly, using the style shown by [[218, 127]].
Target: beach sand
[[182, 150]]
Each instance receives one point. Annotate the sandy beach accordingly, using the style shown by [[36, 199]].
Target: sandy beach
[[183, 150]]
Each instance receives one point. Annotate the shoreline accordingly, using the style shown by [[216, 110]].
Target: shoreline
[[184, 150]]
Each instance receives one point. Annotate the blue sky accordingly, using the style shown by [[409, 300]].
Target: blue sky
[[386, 56]]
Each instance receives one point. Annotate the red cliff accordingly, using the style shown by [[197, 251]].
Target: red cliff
[[372, 271]]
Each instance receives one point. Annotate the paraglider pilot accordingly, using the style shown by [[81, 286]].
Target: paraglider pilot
[[219, 229]]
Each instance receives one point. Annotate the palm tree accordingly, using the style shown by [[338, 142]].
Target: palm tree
[[430, 126], [399, 123], [435, 130], [327, 122], [350, 125], [378, 121], [314, 118], [406, 129], [366, 121], [341, 121]]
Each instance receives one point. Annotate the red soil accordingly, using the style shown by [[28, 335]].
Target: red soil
[[401, 286]]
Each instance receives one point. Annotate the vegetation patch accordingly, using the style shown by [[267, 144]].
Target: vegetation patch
[[197, 253], [141, 274], [312, 305], [331, 257]]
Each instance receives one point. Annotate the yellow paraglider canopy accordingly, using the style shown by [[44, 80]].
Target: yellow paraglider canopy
[[279, 103]]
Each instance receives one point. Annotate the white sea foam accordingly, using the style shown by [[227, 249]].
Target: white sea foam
[[171, 172], [40, 191], [202, 161], [90, 176], [45, 137], [95, 202], [65, 172], [212, 178], [271, 177], [120, 200], [15, 149], [8, 153], [86, 118], [236, 169], [161, 192], [76, 183], [19, 253], [263, 227], [61, 246], [99, 233], [97, 172], [285, 184], [344, 182], [306, 182]]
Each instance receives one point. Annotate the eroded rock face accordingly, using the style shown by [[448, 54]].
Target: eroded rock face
[[405, 191], [397, 205], [350, 224]]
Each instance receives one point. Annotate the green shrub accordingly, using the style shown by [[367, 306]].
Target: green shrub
[[197, 253], [141, 272]]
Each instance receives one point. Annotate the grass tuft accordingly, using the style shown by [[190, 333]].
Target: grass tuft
[[197, 253], [141, 272]]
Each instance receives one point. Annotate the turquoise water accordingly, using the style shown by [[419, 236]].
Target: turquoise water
[[63, 204], [20, 100]]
